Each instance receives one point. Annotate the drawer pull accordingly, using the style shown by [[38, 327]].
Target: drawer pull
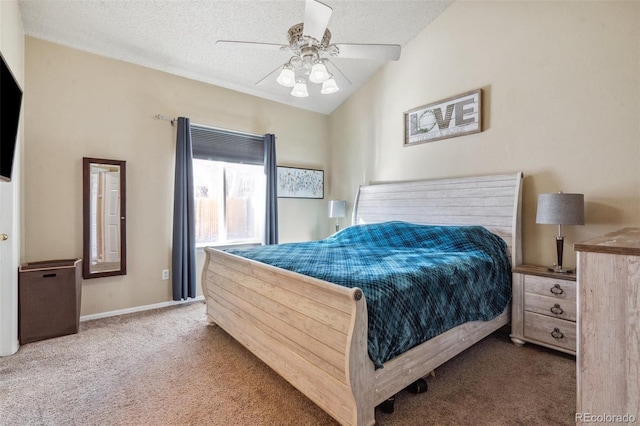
[[557, 290], [557, 310], [557, 334]]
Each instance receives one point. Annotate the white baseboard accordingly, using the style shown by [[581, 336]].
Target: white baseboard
[[138, 309]]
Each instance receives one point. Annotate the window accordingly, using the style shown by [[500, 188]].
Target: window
[[229, 185], [229, 202]]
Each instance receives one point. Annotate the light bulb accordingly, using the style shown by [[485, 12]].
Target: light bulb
[[329, 86], [300, 89], [287, 77], [319, 73]]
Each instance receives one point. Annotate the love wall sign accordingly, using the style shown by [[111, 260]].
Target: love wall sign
[[456, 116]]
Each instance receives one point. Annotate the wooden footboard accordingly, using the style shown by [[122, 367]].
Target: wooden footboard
[[314, 334], [311, 332]]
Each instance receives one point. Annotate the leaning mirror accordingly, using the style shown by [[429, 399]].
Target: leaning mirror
[[104, 217]]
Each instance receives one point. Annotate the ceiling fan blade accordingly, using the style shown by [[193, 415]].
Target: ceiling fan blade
[[269, 75], [334, 66], [386, 52], [252, 44], [316, 19]]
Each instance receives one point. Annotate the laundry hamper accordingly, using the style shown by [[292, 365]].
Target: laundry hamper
[[49, 294]]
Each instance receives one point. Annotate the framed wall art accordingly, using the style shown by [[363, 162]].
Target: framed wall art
[[295, 182], [455, 116]]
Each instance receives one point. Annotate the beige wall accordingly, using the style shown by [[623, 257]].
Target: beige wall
[[561, 87], [84, 105]]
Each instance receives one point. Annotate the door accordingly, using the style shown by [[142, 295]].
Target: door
[[9, 249]]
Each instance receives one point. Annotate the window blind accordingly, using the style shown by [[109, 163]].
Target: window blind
[[223, 145]]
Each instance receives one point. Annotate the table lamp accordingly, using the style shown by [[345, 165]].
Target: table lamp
[[337, 209], [560, 209]]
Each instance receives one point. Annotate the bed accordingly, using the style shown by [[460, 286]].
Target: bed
[[314, 333]]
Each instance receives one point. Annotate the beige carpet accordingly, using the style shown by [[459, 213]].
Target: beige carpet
[[168, 367]]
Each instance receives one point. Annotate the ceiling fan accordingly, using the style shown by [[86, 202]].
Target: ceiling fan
[[310, 46]]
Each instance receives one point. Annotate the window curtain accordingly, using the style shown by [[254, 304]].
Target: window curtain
[[184, 241], [271, 207]]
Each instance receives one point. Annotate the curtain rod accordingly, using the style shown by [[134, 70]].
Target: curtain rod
[[175, 120], [163, 118]]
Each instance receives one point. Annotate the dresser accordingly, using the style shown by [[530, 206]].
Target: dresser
[[544, 308], [608, 361]]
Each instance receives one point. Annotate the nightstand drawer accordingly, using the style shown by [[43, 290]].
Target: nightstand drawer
[[552, 331], [552, 287], [551, 306]]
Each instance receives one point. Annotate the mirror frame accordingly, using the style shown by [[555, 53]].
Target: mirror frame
[[86, 220]]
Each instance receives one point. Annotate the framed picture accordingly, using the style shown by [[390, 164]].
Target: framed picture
[[294, 182], [456, 116]]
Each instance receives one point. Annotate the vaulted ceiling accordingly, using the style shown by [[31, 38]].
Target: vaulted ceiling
[[178, 37]]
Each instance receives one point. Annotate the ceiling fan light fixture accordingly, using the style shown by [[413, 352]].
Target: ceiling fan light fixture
[[329, 86], [287, 76], [319, 73], [310, 47], [300, 89]]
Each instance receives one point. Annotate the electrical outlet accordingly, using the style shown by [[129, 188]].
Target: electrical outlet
[[165, 274]]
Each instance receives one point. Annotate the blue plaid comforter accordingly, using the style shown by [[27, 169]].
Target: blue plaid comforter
[[419, 281]]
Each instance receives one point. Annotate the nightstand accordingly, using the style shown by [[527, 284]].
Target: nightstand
[[544, 308]]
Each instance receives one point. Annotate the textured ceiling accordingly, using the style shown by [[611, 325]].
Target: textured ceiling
[[178, 36]]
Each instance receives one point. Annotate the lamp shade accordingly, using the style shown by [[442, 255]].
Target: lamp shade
[[300, 89], [560, 209], [318, 73], [337, 208], [287, 76], [329, 86]]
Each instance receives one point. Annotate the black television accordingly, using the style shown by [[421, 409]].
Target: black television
[[10, 104]]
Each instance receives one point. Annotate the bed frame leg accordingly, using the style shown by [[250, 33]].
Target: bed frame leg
[[517, 341], [388, 406], [419, 386]]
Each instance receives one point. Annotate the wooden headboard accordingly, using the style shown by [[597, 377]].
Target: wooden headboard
[[490, 201]]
